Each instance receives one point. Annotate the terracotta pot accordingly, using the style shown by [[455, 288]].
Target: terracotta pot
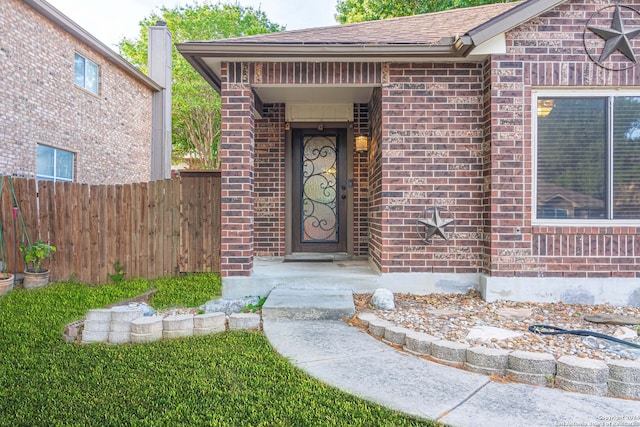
[[35, 280], [6, 283]]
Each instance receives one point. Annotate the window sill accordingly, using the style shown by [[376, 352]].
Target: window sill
[[87, 91]]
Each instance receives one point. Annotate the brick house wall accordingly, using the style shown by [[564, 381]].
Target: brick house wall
[[360, 184], [375, 179], [110, 133], [455, 135], [487, 169], [406, 170], [432, 136], [548, 52], [269, 224], [237, 149]]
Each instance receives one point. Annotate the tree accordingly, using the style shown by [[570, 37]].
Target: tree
[[350, 11], [196, 106]]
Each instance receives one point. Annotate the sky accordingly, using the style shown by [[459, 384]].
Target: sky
[[111, 20]]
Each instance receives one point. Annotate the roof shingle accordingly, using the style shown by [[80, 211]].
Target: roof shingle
[[418, 29]]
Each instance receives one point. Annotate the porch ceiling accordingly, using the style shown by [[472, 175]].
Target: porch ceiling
[[315, 95]]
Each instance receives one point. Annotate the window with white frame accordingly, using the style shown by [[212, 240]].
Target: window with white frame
[[53, 164], [587, 156], [85, 73]]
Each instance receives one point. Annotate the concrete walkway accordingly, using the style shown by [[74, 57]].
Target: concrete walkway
[[349, 359]]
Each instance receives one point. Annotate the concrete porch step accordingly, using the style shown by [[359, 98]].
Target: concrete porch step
[[308, 303]]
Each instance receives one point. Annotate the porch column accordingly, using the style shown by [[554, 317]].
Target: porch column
[[237, 153]]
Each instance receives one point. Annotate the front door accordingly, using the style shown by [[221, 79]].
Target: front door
[[319, 186]]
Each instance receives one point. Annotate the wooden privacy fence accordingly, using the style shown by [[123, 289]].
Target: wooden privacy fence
[[155, 229]]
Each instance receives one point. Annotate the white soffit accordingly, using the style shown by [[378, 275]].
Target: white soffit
[[318, 112], [312, 94], [495, 45]]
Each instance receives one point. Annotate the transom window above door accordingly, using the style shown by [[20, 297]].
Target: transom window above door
[[587, 156]]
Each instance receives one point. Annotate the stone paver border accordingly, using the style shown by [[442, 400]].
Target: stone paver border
[[100, 326], [617, 378]]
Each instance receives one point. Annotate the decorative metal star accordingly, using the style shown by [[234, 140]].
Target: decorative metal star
[[616, 38], [435, 225]]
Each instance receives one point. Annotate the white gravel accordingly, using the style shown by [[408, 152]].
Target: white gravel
[[451, 316]]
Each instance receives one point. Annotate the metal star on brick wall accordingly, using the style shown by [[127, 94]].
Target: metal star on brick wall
[[434, 224], [616, 38]]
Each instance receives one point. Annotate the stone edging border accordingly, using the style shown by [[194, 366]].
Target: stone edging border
[[616, 378], [129, 326]]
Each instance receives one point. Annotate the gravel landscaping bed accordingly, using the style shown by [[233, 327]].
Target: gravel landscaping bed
[[451, 317]]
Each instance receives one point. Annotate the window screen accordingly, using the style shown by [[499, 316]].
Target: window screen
[[588, 150]]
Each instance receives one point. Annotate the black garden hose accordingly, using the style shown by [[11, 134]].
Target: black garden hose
[[552, 330]]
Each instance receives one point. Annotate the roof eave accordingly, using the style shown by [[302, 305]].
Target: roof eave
[[445, 47], [205, 71], [196, 52], [66, 24], [511, 19]]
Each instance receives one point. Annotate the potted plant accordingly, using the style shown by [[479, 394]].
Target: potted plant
[[34, 275], [6, 280]]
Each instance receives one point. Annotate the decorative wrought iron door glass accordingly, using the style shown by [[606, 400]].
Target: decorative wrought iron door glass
[[319, 189]]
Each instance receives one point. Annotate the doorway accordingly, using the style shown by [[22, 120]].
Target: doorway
[[320, 190]]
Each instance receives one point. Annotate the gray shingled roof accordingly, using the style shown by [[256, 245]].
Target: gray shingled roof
[[417, 29], [434, 36]]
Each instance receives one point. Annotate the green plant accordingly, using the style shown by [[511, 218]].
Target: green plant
[[254, 307], [551, 380], [189, 290], [198, 381], [35, 254], [118, 275]]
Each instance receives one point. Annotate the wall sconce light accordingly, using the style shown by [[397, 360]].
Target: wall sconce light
[[545, 106], [362, 143]]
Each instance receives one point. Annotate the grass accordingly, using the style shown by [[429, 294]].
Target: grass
[[228, 379]]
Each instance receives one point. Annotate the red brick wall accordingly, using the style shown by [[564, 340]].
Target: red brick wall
[[375, 179], [548, 52], [317, 73], [40, 104], [237, 174], [487, 214], [432, 134], [269, 224], [360, 184]]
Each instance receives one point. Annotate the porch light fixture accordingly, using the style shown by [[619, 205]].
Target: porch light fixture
[[545, 106], [362, 143]]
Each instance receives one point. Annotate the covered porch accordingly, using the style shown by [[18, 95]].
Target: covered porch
[[294, 182]]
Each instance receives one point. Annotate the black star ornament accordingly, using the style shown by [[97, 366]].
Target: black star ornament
[[616, 38]]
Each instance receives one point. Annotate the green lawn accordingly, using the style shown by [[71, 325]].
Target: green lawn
[[228, 379]]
